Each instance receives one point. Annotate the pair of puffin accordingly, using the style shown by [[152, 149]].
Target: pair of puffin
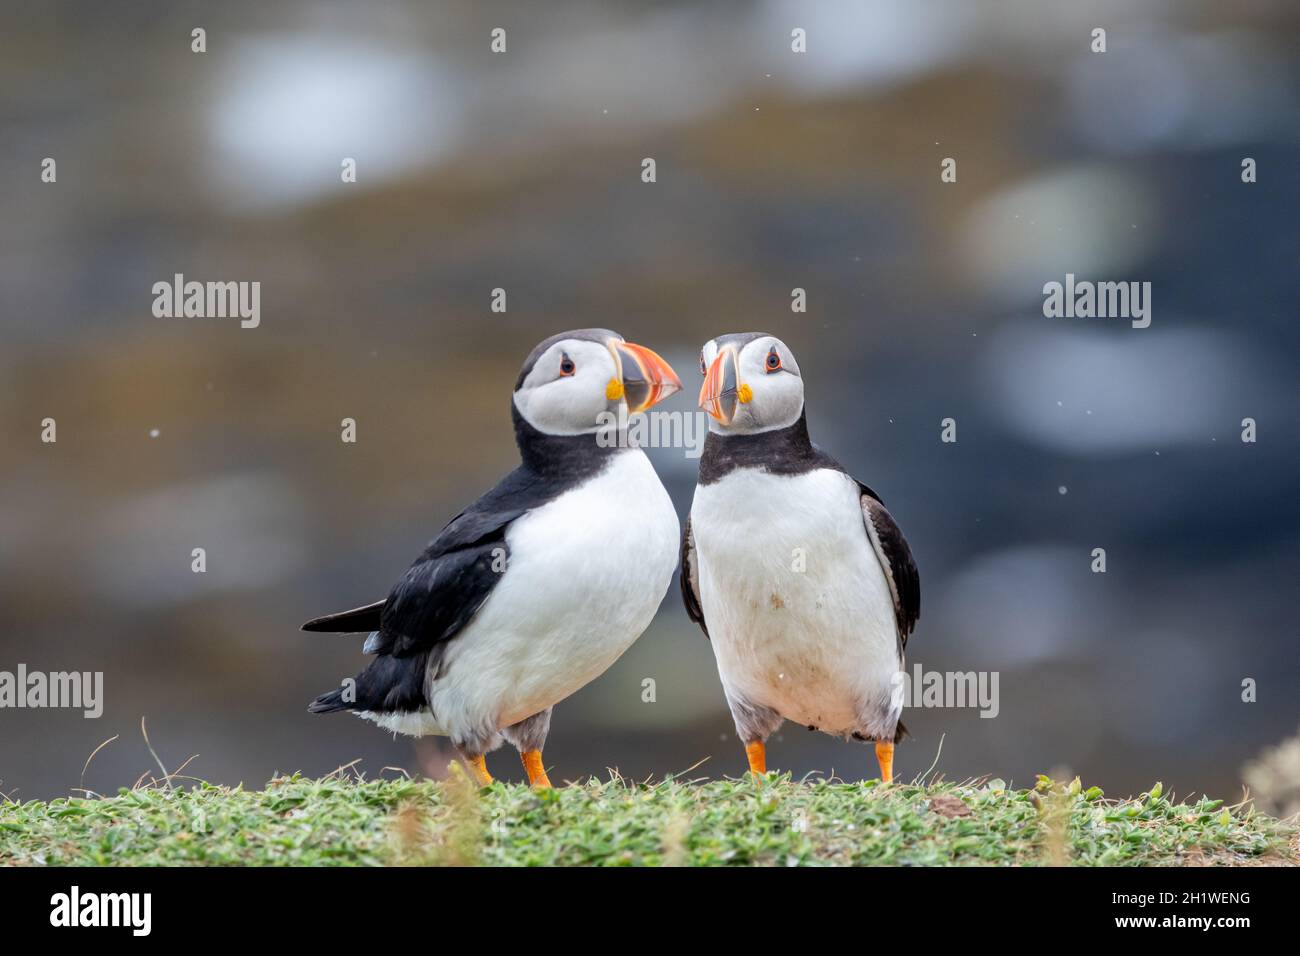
[[795, 571]]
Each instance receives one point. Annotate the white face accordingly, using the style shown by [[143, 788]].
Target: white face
[[773, 397], [566, 389]]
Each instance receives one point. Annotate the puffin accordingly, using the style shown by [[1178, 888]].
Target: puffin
[[542, 583], [794, 569]]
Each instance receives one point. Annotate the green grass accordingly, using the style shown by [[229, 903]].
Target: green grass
[[778, 822]]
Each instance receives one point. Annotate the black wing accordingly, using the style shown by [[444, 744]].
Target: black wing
[[690, 580], [895, 560], [437, 596], [442, 591], [447, 584]]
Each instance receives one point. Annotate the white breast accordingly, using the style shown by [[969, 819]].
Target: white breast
[[798, 610], [586, 574]]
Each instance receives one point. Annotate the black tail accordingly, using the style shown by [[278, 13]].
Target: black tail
[[328, 703], [349, 622], [388, 685]]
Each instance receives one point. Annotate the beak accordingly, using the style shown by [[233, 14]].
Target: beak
[[646, 378], [721, 391]]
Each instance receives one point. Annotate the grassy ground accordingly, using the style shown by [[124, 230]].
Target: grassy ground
[[342, 821]]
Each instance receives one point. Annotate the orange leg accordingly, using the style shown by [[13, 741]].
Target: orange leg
[[478, 767], [757, 755], [885, 757], [536, 772]]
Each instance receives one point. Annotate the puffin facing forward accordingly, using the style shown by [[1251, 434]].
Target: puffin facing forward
[[797, 574], [540, 585]]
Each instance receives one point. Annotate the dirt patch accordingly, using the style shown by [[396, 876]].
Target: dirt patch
[[946, 805]]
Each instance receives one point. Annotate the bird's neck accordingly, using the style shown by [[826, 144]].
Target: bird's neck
[[786, 450], [561, 455]]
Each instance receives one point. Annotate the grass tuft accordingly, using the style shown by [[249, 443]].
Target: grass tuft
[[345, 821]]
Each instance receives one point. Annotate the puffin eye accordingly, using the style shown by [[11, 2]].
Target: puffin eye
[[703, 370], [567, 367], [773, 360]]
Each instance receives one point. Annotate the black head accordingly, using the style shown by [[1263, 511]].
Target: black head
[[570, 380]]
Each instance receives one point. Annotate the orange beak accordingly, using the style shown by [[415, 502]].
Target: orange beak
[[719, 394], [646, 378]]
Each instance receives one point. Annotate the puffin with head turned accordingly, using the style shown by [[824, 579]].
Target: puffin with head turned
[[797, 574], [541, 584]]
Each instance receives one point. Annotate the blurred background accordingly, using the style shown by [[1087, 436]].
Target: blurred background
[[775, 170]]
